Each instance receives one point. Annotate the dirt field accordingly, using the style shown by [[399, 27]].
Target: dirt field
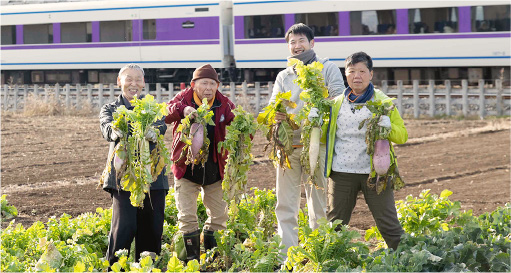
[[51, 165]]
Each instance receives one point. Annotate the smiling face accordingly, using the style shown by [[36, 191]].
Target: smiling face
[[131, 82], [359, 77], [205, 88], [298, 43]]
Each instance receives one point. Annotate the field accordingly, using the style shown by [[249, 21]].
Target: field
[[51, 164]]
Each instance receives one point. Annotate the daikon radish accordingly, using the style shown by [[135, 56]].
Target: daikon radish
[[197, 135], [381, 157], [314, 148]]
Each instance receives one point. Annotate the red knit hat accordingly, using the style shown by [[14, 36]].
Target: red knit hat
[[205, 71]]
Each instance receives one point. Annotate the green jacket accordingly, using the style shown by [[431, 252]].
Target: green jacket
[[398, 134]]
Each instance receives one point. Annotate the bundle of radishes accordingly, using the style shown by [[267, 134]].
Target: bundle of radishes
[[195, 136], [378, 146], [279, 134], [238, 145], [314, 94], [134, 163]]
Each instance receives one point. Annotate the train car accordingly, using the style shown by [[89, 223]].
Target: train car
[[89, 41], [407, 39]]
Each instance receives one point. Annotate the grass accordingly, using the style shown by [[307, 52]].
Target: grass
[[50, 106]]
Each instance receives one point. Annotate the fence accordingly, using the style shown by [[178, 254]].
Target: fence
[[412, 101]]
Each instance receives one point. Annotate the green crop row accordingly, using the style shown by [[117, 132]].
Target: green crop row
[[438, 237]]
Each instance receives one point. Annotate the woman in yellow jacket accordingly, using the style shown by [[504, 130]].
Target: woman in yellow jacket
[[347, 163]]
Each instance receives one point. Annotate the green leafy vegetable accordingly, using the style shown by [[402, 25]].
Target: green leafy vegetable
[[140, 166], [314, 94], [279, 135], [376, 132], [238, 144]]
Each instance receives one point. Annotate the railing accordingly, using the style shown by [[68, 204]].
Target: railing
[[412, 101]]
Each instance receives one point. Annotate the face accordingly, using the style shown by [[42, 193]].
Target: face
[[358, 77], [298, 43], [205, 88], [131, 82]]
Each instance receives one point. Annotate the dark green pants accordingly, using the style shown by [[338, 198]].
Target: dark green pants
[[342, 197]]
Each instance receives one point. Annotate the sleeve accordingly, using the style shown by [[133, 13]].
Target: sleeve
[[161, 126], [176, 109], [277, 87], [333, 80], [398, 134], [105, 121]]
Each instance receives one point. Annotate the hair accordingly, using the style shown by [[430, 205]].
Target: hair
[[300, 28], [131, 66], [359, 57]]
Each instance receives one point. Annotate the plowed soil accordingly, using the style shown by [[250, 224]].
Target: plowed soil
[[50, 165]]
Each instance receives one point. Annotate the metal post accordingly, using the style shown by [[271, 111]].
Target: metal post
[[400, 96], [100, 95], [464, 97], [171, 91], [158, 92], [257, 96], [498, 85], [431, 89], [233, 92], [482, 100], [416, 109], [448, 97]]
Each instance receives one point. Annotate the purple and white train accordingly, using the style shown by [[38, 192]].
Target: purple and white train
[[87, 42]]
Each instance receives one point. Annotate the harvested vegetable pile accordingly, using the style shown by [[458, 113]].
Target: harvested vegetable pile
[[279, 134], [195, 135], [378, 147], [238, 144], [314, 94], [135, 164]]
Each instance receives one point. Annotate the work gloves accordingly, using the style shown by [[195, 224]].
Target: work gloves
[[384, 122]]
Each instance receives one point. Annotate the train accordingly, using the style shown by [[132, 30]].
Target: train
[[87, 42]]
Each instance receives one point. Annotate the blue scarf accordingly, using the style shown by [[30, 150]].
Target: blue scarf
[[368, 94]]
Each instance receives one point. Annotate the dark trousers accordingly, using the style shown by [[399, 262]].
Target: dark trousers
[[128, 222], [342, 198]]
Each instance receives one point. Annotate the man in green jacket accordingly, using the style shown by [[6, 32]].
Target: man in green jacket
[[348, 164]]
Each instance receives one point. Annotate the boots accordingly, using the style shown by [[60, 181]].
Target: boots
[[209, 239], [192, 245]]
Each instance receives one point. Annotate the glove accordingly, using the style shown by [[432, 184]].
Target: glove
[[151, 135], [314, 113], [384, 122], [116, 134]]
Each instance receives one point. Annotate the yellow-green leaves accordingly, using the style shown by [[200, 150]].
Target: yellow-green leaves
[[279, 135], [204, 117], [238, 144], [141, 166]]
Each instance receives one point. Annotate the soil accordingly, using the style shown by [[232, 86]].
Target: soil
[[51, 165]]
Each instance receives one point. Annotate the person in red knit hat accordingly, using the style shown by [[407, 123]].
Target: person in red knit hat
[[188, 184]]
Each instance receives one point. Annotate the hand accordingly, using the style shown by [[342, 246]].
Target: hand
[[188, 110], [151, 135], [116, 134], [314, 113], [279, 117], [385, 122]]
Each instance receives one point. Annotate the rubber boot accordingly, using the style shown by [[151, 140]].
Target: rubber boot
[[192, 245], [209, 239]]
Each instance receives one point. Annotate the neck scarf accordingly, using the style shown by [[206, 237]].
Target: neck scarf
[[368, 94], [306, 57], [199, 102]]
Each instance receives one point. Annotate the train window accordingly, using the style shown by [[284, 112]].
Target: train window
[[490, 18], [38, 34], [373, 22], [323, 24], [149, 29], [264, 26], [76, 32], [37, 76], [8, 35], [433, 20], [115, 31]]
